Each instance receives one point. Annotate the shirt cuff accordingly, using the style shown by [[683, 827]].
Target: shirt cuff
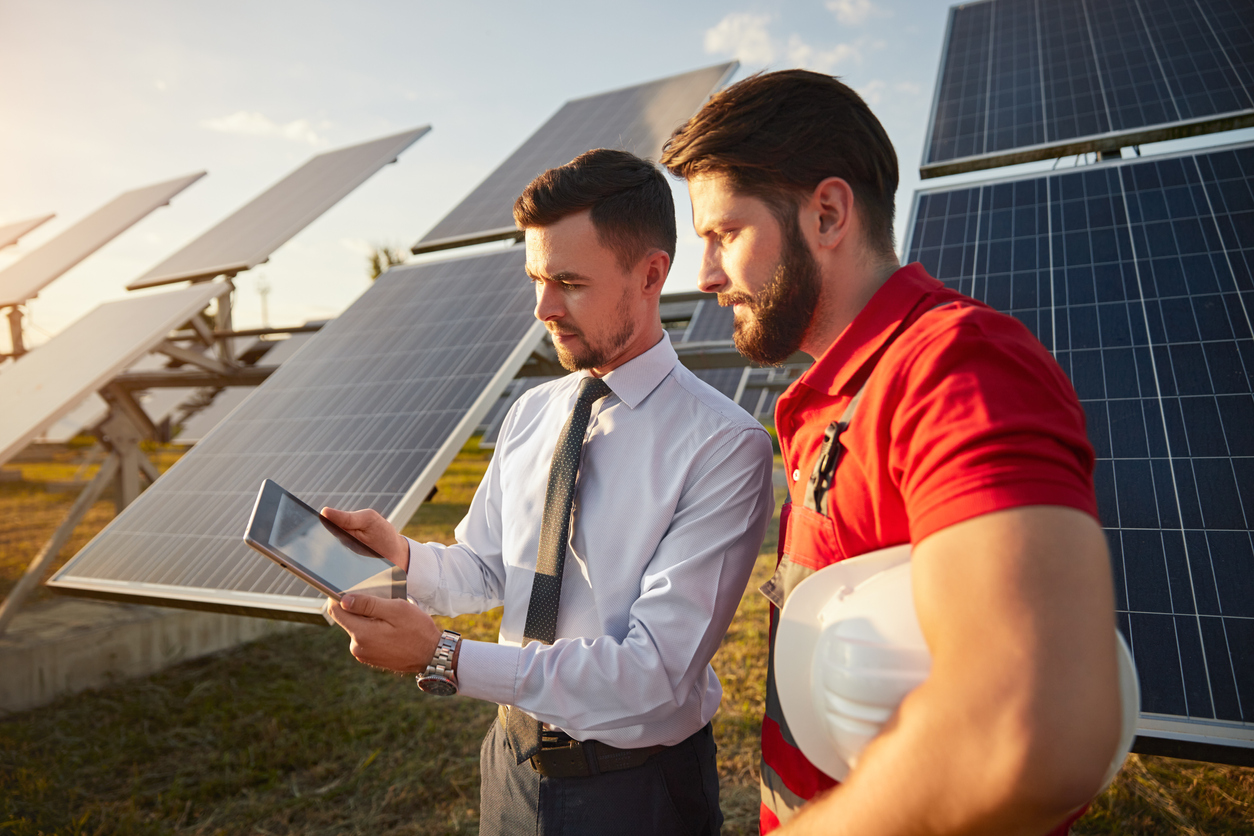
[[487, 671], [422, 579]]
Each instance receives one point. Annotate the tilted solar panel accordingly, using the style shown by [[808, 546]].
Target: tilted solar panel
[[11, 233], [49, 381], [1033, 79], [197, 425], [711, 323], [1137, 275], [638, 119], [367, 414], [247, 237], [22, 280]]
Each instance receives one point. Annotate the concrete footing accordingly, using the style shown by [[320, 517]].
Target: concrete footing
[[64, 646]]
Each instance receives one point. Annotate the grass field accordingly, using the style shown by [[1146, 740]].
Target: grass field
[[289, 735]]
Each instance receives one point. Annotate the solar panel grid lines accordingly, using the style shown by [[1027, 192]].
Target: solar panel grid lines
[[638, 119], [10, 234], [49, 381], [1107, 73], [367, 414], [248, 236], [21, 281], [711, 322], [1139, 276]]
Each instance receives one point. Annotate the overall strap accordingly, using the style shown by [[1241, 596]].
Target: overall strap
[[823, 475]]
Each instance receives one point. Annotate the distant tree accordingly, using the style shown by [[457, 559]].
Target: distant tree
[[383, 257]]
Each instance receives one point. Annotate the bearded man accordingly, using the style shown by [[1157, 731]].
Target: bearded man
[[928, 419], [618, 587]]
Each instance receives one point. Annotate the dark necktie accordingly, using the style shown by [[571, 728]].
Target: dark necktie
[[522, 730]]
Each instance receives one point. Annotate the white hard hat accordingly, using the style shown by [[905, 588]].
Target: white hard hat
[[848, 649]]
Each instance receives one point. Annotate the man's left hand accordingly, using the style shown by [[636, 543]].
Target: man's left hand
[[387, 633]]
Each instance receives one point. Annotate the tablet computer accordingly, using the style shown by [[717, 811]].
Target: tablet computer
[[316, 550]]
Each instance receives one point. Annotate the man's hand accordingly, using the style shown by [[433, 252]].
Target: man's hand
[[387, 633], [369, 526]]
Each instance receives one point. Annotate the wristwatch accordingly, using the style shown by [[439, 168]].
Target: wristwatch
[[439, 678]]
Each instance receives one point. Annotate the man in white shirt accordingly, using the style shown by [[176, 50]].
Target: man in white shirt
[[611, 618]]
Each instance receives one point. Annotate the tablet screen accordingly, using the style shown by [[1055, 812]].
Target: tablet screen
[[320, 548]]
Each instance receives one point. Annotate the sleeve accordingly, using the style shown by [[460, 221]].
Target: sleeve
[[688, 595], [468, 576], [987, 421]]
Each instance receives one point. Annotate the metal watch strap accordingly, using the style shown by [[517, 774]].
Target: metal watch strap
[[441, 663]]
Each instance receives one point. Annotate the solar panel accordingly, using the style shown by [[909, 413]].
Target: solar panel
[[711, 323], [22, 280], [638, 119], [1027, 80], [368, 414], [92, 410], [197, 425], [1137, 275], [10, 233], [247, 237], [52, 379]]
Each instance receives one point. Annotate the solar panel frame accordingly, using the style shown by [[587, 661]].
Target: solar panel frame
[[249, 235], [368, 413], [1151, 254], [51, 380], [21, 281], [486, 213], [10, 234], [1083, 54]]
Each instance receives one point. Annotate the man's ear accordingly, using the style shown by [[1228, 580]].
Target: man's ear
[[831, 212], [657, 264]]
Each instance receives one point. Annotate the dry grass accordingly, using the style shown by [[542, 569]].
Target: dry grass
[[290, 736], [31, 511]]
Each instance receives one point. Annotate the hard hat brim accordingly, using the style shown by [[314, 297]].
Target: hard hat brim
[[796, 639]]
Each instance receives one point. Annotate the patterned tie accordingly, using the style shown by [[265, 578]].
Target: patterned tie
[[522, 730]]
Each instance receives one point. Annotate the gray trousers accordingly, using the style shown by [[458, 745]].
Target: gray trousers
[[674, 792]]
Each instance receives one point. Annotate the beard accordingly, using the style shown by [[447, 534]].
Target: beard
[[779, 313], [595, 354]]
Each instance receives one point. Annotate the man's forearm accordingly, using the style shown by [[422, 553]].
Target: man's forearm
[[934, 771], [1019, 716]]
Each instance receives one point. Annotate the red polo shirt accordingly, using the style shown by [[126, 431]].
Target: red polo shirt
[[968, 414]]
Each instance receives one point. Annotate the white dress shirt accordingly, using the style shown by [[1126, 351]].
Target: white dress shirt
[[672, 500]]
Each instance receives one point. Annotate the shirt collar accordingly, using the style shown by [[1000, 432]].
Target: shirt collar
[[863, 337], [634, 380]]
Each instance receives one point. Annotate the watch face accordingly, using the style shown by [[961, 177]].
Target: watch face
[[440, 686]]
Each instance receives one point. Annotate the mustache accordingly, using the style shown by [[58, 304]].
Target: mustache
[[558, 330], [726, 300]]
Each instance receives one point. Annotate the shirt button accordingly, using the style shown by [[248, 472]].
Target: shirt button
[[796, 474]]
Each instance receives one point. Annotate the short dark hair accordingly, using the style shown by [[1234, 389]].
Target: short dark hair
[[777, 135], [632, 207]]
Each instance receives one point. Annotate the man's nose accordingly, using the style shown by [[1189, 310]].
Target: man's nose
[[710, 276], [548, 302]]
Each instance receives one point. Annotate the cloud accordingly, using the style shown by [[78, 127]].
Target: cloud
[[251, 123], [873, 91], [802, 54], [853, 12], [743, 36], [747, 37]]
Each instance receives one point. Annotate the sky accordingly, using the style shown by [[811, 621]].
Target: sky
[[99, 98]]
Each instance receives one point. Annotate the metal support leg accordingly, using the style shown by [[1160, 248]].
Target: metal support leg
[[15, 331], [226, 345], [39, 566]]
